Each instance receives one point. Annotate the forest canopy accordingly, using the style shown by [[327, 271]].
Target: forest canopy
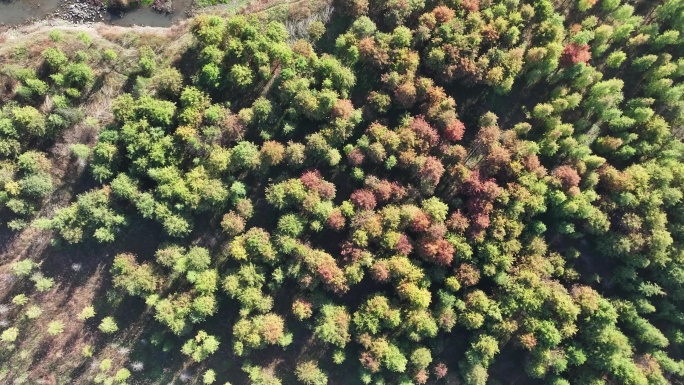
[[400, 192]]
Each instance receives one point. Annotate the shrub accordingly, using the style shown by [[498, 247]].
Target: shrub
[[109, 55], [36, 186], [33, 312], [9, 334], [80, 151], [308, 373], [233, 224], [87, 313], [23, 268], [55, 327], [20, 299], [79, 76], [108, 325], [209, 377], [43, 284], [168, 82], [147, 61], [29, 121], [201, 347], [122, 375]]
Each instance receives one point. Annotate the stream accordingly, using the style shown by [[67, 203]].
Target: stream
[[18, 12]]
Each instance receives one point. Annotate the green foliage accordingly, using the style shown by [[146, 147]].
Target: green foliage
[[209, 377], [9, 335], [108, 325], [91, 215], [308, 373], [88, 312], [55, 327], [431, 188], [200, 347], [79, 76], [23, 268], [332, 325], [29, 121]]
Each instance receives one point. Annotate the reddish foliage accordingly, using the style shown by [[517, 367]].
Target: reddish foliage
[[613, 179], [440, 370], [469, 70], [568, 176], [232, 128], [405, 94], [437, 230], [398, 191], [331, 275], [436, 250], [454, 131], [380, 271], [431, 170], [336, 220], [574, 191], [422, 377], [468, 274], [447, 318], [364, 199], [350, 252], [457, 222], [273, 329], [586, 297], [313, 181], [343, 109], [369, 362], [425, 131], [575, 28], [435, 96], [367, 47], [489, 33], [574, 53], [480, 222], [381, 188], [326, 271], [404, 246], [533, 164], [428, 20], [303, 48], [326, 190], [498, 158], [485, 189], [471, 5], [355, 157], [302, 306], [528, 341], [609, 143], [370, 51], [272, 152], [487, 137], [443, 14], [306, 280], [420, 222]]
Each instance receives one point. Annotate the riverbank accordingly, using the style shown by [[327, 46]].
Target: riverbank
[[14, 13]]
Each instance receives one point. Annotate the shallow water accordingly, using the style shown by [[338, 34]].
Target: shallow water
[[147, 17], [20, 11], [15, 12]]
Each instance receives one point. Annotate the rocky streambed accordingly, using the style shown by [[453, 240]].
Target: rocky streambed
[[165, 13]]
